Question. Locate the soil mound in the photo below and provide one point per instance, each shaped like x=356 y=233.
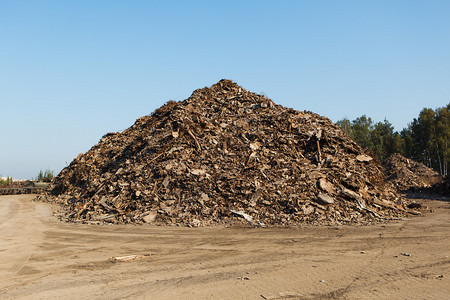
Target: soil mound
x=405 y=174
x=226 y=155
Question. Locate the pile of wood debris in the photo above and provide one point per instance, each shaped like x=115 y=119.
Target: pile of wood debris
x=222 y=156
x=406 y=174
x=23 y=187
x=442 y=187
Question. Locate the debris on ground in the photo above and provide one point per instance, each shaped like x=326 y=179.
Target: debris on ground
x=285 y=295
x=248 y=218
x=127 y=258
x=414 y=205
x=226 y=156
x=242 y=278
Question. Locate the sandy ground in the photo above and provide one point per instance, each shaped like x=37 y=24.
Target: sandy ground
x=42 y=258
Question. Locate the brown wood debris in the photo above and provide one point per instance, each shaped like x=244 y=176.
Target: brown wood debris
x=407 y=174
x=224 y=149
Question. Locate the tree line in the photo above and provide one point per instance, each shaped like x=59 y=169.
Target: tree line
x=426 y=139
x=4 y=181
x=46 y=176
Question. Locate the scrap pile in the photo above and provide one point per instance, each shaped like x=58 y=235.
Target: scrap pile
x=22 y=187
x=442 y=187
x=221 y=156
x=404 y=173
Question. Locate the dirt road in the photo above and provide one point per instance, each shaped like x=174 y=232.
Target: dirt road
x=42 y=258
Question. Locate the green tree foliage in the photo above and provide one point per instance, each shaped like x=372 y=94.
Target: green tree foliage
x=7 y=181
x=378 y=138
x=442 y=137
x=426 y=139
x=46 y=176
x=361 y=131
x=358 y=129
x=346 y=126
x=384 y=140
x=430 y=135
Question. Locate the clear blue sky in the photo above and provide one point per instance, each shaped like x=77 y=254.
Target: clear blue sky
x=71 y=71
